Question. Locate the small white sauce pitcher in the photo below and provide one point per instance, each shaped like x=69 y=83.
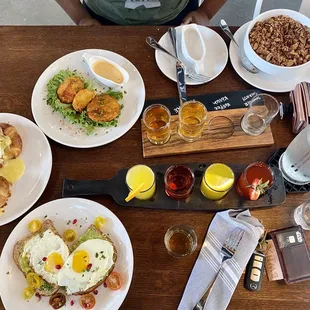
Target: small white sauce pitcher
x=91 y=59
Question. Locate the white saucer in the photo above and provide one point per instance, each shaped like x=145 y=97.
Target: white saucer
x=261 y=80
x=214 y=62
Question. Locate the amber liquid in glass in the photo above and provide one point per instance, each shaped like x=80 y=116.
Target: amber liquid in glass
x=192 y=117
x=180 y=243
x=157 y=121
x=179 y=182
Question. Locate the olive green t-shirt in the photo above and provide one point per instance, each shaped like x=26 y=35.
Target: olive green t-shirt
x=135 y=12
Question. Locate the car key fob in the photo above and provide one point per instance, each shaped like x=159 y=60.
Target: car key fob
x=255 y=271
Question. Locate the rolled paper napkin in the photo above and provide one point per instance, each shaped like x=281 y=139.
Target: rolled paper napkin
x=209 y=269
x=300 y=98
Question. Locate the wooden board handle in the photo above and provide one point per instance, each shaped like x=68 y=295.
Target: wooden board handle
x=72 y=188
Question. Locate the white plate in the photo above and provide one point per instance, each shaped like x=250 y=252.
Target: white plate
x=37 y=157
x=62 y=131
x=261 y=80
x=61 y=211
x=214 y=62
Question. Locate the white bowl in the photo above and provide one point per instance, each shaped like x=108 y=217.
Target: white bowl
x=264 y=65
x=91 y=59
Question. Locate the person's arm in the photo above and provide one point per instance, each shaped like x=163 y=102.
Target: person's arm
x=77 y=12
x=205 y=12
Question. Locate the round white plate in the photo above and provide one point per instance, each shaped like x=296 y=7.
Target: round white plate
x=261 y=80
x=61 y=211
x=60 y=130
x=37 y=157
x=215 y=60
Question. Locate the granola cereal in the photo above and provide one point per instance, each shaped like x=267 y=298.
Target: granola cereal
x=281 y=41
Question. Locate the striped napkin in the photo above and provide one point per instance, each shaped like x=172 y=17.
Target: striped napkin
x=209 y=270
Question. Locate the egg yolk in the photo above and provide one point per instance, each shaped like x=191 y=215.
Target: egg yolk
x=80 y=261
x=53 y=262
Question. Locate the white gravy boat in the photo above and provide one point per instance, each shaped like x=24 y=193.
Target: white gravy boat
x=92 y=59
x=193 y=47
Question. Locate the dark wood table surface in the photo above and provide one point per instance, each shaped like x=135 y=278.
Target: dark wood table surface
x=158 y=279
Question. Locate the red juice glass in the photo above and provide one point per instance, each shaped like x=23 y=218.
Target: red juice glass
x=179 y=182
x=257 y=170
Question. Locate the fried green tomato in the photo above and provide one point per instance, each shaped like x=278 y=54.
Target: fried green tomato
x=82 y=99
x=103 y=108
x=68 y=89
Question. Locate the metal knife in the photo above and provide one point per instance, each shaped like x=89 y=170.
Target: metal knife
x=180 y=74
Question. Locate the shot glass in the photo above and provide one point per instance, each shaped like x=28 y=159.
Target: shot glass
x=180 y=241
x=192 y=117
x=262 y=110
x=156 y=119
x=179 y=182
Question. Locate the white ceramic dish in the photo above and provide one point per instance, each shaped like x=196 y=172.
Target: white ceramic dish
x=60 y=130
x=214 y=62
x=193 y=46
x=61 y=211
x=261 y=80
x=37 y=156
x=91 y=59
x=265 y=66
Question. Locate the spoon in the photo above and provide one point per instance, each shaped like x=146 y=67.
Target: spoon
x=154 y=44
x=245 y=62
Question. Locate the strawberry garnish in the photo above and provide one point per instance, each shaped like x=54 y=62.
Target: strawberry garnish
x=258 y=188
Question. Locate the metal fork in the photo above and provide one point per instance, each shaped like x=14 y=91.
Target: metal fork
x=228 y=250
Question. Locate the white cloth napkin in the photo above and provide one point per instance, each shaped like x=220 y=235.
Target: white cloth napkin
x=209 y=267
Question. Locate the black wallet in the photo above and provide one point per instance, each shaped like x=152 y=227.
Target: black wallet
x=293 y=253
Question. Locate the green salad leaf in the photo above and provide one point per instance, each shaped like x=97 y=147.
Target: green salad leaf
x=67 y=110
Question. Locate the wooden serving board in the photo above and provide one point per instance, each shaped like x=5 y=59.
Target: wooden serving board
x=207 y=143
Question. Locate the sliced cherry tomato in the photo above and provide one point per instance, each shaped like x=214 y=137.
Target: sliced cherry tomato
x=28 y=292
x=34 y=226
x=33 y=280
x=69 y=235
x=99 y=222
x=57 y=300
x=114 y=281
x=87 y=301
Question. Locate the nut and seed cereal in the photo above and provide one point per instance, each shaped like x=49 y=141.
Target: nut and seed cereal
x=281 y=41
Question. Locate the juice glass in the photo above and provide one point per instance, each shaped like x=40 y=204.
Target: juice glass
x=192 y=117
x=156 y=119
x=179 y=182
x=139 y=174
x=217 y=180
x=257 y=170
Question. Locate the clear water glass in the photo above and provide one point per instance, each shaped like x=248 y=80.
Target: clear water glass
x=302 y=215
x=262 y=110
x=295 y=161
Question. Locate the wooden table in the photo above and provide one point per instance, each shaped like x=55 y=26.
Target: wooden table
x=158 y=280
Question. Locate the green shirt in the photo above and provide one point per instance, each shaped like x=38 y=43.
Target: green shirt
x=133 y=12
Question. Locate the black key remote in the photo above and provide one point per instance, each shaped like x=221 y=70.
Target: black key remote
x=254 y=272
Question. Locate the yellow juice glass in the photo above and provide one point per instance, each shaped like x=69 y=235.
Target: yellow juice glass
x=139 y=174
x=217 y=180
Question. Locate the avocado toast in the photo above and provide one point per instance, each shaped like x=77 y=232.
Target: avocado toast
x=92 y=233
x=22 y=262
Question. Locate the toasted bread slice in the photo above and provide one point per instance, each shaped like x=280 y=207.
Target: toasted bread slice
x=93 y=233
x=46 y=288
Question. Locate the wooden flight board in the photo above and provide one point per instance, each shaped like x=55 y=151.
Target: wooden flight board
x=217 y=141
